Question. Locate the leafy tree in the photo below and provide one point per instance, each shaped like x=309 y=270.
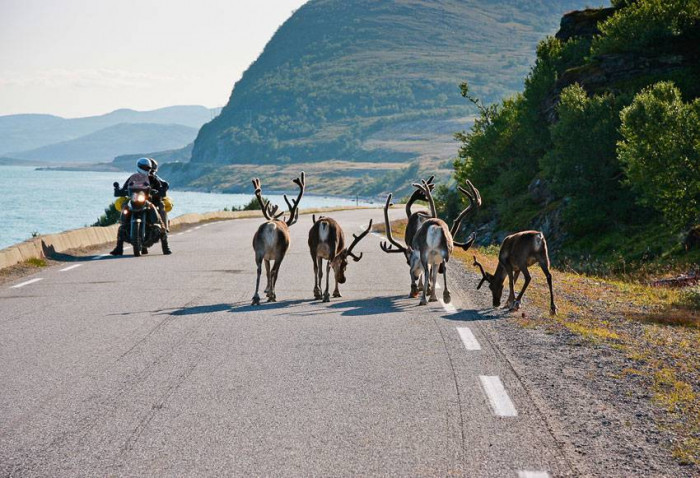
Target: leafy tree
x=643 y=24
x=582 y=164
x=660 y=149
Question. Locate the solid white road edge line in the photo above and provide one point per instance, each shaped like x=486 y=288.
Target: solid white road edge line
x=22 y=284
x=468 y=339
x=74 y=266
x=501 y=404
x=101 y=256
x=533 y=474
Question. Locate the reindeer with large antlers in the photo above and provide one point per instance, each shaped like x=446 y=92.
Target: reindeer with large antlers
x=518 y=252
x=327 y=241
x=271 y=240
x=432 y=243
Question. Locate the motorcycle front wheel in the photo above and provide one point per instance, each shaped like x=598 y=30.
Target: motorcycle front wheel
x=136 y=239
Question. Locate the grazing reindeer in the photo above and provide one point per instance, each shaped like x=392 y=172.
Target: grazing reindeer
x=432 y=244
x=518 y=252
x=327 y=241
x=271 y=240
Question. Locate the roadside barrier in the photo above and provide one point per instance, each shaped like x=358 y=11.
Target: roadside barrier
x=52 y=245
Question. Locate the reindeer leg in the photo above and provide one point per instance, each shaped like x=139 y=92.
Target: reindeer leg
x=426 y=271
x=446 y=298
x=552 y=307
x=272 y=296
x=267 y=275
x=415 y=288
x=336 y=292
x=318 y=275
x=433 y=282
x=526 y=274
x=326 y=295
x=256 y=297
x=511 y=294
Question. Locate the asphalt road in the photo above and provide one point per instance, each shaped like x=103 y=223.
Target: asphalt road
x=159 y=365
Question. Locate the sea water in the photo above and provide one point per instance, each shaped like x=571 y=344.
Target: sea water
x=44 y=202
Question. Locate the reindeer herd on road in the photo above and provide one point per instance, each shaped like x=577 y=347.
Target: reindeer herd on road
x=429 y=242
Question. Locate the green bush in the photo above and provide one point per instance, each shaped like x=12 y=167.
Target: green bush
x=110 y=216
x=582 y=164
x=660 y=149
x=644 y=24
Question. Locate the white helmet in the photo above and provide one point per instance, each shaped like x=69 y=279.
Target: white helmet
x=143 y=166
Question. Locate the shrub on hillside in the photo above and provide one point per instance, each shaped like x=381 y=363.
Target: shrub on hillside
x=660 y=150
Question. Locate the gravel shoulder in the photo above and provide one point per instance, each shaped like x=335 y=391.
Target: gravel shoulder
x=599 y=398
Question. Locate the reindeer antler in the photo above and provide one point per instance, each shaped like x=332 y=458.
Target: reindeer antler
x=294 y=205
x=268 y=210
x=425 y=188
x=388 y=247
x=484 y=277
x=417 y=195
x=356 y=240
x=474 y=202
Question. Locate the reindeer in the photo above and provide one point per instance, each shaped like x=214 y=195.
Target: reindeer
x=271 y=240
x=432 y=244
x=327 y=241
x=518 y=252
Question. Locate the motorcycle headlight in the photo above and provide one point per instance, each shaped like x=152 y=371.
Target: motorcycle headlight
x=139 y=197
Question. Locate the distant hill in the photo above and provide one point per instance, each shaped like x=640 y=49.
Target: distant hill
x=105 y=144
x=127 y=161
x=339 y=80
x=30 y=131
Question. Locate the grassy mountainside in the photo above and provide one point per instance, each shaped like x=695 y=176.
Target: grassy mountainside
x=30 y=131
x=340 y=80
x=105 y=144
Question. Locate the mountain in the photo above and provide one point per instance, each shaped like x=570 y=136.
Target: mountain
x=339 y=80
x=105 y=144
x=127 y=161
x=30 y=131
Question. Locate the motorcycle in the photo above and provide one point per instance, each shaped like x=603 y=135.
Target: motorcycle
x=141 y=223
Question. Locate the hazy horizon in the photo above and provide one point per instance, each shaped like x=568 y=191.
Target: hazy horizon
x=141 y=55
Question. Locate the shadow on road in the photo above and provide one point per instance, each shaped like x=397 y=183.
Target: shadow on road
x=474 y=315
x=246 y=307
x=202 y=309
x=370 y=306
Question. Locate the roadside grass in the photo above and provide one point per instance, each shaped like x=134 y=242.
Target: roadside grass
x=657 y=328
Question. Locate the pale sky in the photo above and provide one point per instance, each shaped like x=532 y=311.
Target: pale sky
x=85 y=57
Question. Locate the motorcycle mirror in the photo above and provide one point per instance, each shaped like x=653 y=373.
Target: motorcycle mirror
x=115 y=184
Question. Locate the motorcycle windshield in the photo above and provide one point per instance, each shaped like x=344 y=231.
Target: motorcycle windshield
x=138 y=182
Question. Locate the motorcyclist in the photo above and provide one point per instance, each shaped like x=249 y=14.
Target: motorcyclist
x=159 y=188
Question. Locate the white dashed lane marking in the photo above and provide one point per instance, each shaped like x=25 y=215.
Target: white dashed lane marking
x=101 y=256
x=22 y=284
x=501 y=405
x=532 y=474
x=468 y=339
x=74 y=266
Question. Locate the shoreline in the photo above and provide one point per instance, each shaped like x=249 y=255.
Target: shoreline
x=54 y=245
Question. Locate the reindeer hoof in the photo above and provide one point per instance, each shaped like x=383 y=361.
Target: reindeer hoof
x=553 y=311
x=446 y=298
x=326 y=298
x=515 y=307
x=317 y=295
x=256 y=300
x=423 y=302
x=413 y=294
x=432 y=299
x=337 y=294
x=272 y=298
